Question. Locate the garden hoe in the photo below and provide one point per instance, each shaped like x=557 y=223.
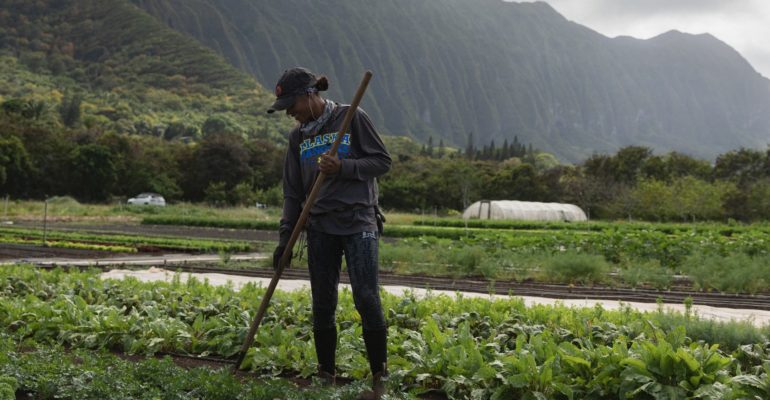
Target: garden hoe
x=286 y=257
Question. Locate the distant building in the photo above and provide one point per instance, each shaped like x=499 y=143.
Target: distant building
x=524 y=210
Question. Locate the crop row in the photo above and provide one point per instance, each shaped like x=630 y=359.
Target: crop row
x=596 y=226
x=469 y=348
x=67 y=244
x=211 y=222
x=432 y=226
x=52 y=372
x=84 y=240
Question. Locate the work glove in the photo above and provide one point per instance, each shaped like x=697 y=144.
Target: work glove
x=277 y=255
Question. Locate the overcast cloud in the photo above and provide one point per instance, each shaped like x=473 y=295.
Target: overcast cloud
x=742 y=24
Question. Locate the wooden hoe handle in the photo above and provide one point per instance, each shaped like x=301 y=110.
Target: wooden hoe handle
x=286 y=256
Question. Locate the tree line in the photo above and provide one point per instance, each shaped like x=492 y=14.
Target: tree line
x=632 y=183
x=38 y=159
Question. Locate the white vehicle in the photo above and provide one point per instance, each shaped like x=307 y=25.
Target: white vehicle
x=147 y=199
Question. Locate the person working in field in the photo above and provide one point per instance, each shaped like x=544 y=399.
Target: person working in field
x=344 y=218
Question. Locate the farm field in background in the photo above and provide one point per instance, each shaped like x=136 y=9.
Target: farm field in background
x=713 y=257
x=68 y=209
x=117 y=243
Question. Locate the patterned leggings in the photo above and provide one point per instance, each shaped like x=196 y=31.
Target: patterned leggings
x=324 y=262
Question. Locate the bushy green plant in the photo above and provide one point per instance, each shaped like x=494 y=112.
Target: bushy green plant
x=647 y=273
x=733 y=273
x=243 y=194
x=466 y=258
x=216 y=194
x=8 y=387
x=272 y=196
x=511 y=265
x=571 y=267
x=672 y=370
x=750 y=386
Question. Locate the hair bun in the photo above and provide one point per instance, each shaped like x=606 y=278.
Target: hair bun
x=323 y=83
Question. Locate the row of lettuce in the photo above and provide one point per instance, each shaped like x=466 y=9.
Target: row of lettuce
x=464 y=347
x=118 y=243
x=434 y=222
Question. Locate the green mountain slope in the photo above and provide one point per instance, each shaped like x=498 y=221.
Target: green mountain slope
x=127 y=72
x=446 y=68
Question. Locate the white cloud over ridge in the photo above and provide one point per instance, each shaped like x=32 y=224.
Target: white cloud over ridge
x=742 y=24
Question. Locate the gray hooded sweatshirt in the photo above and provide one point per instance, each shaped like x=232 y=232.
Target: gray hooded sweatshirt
x=346 y=201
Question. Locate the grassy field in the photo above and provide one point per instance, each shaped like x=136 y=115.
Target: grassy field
x=68 y=209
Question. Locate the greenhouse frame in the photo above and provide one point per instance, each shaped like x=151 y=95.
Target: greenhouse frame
x=524 y=210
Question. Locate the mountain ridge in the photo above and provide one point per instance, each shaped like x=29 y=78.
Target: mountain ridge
x=494 y=70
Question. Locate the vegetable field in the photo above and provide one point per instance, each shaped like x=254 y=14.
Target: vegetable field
x=117 y=243
x=702 y=256
x=465 y=348
x=614 y=257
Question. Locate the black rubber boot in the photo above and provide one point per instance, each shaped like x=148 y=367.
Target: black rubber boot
x=378 y=386
x=325 y=378
x=377 y=349
x=325 y=350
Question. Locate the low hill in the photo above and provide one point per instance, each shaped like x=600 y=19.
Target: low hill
x=119 y=69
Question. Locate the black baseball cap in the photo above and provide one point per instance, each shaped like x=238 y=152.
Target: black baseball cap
x=293 y=82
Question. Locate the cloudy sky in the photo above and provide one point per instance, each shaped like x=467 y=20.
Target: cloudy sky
x=742 y=24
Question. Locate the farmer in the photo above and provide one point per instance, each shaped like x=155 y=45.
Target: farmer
x=344 y=218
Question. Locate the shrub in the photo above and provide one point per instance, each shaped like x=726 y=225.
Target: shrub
x=242 y=194
x=647 y=273
x=63 y=201
x=216 y=194
x=272 y=196
x=572 y=267
x=467 y=258
x=732 y=273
